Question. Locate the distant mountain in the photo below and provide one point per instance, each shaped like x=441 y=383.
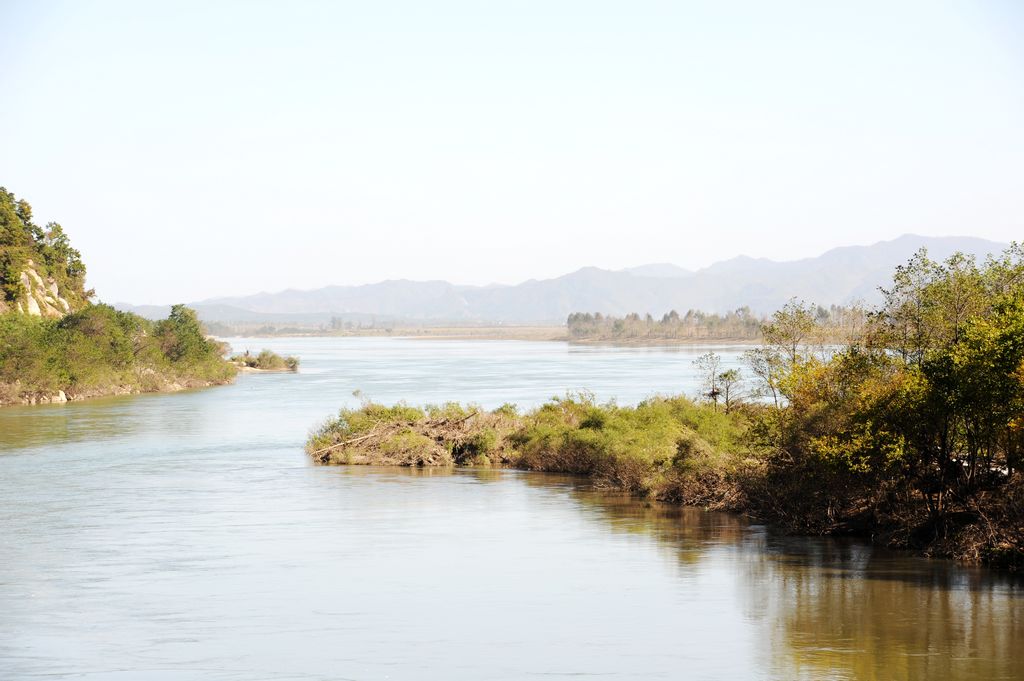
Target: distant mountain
x=839 y=276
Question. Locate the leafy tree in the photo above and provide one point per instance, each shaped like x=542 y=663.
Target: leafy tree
x=181 y=335
x=708 y=365
x=766 y=364
x=790 y=330
x=730 y=384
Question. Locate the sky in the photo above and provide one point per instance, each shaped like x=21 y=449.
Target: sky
x=201 y=149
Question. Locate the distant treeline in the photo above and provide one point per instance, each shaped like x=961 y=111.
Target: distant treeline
x=227 y=330
x=833 y=322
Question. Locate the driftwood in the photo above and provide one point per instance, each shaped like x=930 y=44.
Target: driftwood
x=320 y=452
x=455 y=423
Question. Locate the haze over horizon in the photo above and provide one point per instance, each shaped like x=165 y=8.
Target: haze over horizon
x=635 y=266
x=840 y=276
x=196 y=151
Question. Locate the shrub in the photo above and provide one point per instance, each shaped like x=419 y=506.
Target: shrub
x=99 y=348
x=266 y=360
x=640 y=449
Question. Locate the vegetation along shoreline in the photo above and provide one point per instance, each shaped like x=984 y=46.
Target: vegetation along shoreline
x=266 y=361
x=56 y=345
x=910 y=431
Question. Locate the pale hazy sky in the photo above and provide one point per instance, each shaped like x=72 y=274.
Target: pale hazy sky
x=215 y=148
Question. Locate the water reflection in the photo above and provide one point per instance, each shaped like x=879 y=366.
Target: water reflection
x=842 y=609
x=878 y=615
x=23 y=428
x=32 y=426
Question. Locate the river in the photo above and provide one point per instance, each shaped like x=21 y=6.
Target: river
x=186 y=536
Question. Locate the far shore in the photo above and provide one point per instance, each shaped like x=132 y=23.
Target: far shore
x=520 y=333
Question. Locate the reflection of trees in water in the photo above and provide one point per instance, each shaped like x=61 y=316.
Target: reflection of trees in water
x=90 y=421
x=687 y=532
x=871 y=614
x=841 y=609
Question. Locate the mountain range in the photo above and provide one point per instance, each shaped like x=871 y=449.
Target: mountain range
x=838 y=276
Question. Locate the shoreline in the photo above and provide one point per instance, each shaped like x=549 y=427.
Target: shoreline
x=62 y=396
x=65 y=397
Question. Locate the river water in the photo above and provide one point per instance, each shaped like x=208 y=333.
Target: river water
x=186 y=536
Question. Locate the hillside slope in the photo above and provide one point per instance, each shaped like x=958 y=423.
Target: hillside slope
x=40 y=273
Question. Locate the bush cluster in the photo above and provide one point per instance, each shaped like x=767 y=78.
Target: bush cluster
x=266 y=360
x=99 y=350
x=644 y=449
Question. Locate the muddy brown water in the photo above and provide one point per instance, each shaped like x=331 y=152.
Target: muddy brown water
x=187 y=537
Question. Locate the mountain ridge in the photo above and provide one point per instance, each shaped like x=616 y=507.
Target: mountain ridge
x=840 y=275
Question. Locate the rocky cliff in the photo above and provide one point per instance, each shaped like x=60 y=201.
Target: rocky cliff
x=41 y=298
x=40 y=273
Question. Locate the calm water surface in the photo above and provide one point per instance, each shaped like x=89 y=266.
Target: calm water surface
x=186 y=537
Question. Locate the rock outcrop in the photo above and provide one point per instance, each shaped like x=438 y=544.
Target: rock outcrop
x=42 y=297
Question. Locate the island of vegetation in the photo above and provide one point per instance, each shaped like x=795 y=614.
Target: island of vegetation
x=266 y=360
x=910 y=432
x=55 y=345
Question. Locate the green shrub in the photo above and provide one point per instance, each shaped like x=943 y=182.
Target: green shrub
x=266 y=360
x=99 y=348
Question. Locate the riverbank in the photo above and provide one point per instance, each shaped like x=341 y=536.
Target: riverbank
x=99 y=351
x=15 y=394
x=671 y=449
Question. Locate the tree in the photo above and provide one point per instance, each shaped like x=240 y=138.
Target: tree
x=790 y=329
x=730 y=384
x=58 y=255
x=181 y=335
x=929 y=410
x=766 y=363
x=787 y=337
x=708 y=365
